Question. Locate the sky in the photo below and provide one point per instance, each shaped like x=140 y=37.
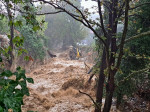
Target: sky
x=89 y=4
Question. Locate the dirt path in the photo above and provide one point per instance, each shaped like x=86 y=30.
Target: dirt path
x=56 y=88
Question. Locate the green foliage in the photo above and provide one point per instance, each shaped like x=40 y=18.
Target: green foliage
x=13 y=90
x=3 y=25
x=137 y=58
x=28 y=19
x=32 y=42
x=11 y=95
x=0 y=59
x=43 y=25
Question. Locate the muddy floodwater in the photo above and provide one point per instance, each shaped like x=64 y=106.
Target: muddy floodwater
x=56 y=87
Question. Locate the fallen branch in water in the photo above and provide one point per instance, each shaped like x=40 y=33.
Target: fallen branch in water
x=96 y=104
x=86 y=66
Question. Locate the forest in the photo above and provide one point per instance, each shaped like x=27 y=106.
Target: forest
x=74 y=56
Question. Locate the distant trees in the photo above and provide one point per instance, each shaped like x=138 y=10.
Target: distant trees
x=62 y=29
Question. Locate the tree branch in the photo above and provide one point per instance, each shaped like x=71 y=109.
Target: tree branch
x=146 y=3
x=83 y=19
x=101 y=18
x=97 y=106
x=49 y=13
x=124 y=34
x=133 y=73
x=121 y=10
x=110 y=11
x=137 y=36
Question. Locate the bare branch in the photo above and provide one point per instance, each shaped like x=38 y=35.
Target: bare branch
x=107 y=7
x=89 y=26
x=49 y=13
x=97 y=106
x=136 y=15
x=121 y=10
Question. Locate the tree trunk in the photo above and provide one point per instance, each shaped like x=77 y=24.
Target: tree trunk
x=101 y=79
x=109 y=93
x=108 y=101
x=10 y=17
x=110 y=84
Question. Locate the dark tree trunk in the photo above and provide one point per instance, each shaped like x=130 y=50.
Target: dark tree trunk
x=10 y=17
x=101 y=79
x=109 y=93
x=110 y=84
x=103 y=66
x=108 y=102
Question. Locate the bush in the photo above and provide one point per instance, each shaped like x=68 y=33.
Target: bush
x=12 y=91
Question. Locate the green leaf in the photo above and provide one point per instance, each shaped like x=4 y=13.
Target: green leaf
x=18 y=23
x=18 y=68
x=0 y=59
x=2 y=16
x=30 y=80
x=2 y=82
x=7 y=73
x=7 y=102
x=26 y=58
x=1 y=109
x=104 y=38
x=35 y=28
